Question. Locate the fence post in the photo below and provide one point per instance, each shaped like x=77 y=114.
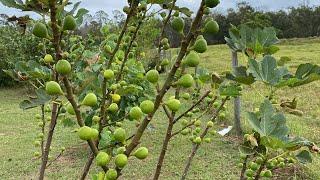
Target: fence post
x=237 y=105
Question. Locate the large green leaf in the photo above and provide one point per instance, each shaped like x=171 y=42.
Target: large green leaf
x=266 y=70
x=240 y=75
x=12 y=4
x=41 y=99
x=270 y=125
x=304 y=157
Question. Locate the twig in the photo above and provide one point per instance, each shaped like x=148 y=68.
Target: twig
x=87 y=166
x=244 y=167
x=196 y=146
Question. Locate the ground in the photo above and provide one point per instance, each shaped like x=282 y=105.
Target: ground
x=216 y=160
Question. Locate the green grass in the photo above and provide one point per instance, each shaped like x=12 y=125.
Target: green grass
x=216 y=160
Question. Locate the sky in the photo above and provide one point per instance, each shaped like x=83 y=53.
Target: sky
x=109 y=5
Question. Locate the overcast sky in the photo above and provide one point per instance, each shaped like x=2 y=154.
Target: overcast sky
x=109 y=5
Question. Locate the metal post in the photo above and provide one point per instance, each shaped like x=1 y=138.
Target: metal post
x=237 y=105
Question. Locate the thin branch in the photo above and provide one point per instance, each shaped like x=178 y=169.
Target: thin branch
x=192 y=107
x=87 y=166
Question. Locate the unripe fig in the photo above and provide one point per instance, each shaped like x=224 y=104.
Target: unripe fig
x=108 y=74
x=48 y=59
x=141 y=153
x=211 y=27
x=177 y=24
x=70 y=109
x=152 y=76
x=36 y=154
x=115 y=98
x=197 y=130
x=53 y=88
x=40 y=124
x=197 y=123
x=197 y=140
x=36 y=143
x=40 y=30
x=100 y=176
x=186 y=81
x=102 y=159
x=40 y=135
x=147 y=106
x=121 y=160
x=121 y=150
x=207 y=140
x=254 y=166
x=259 y=160
x=185 y=96
x=107 y=49
x=90 y=100
x=173 y=104
x=266 y=173
x=184 y=122
x=222 y=115
x=113 y=107
x=249 y=172
x=111 y=174
x=164 y=41
x=210 y=124
x=119 y=134
x=185 y=131
x=69 y=23
x=86 y=133
x=38 y=116
x=96 y=119
x=192 y=59
x=63 y=67
x=212 y=3
x=165 y=62
x=200 y=45
x=126 y=9
x=135 y=113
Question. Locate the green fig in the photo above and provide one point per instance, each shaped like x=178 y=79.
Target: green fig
x=63 y=67
x=147 y=106
x=40 y=30
x=111 y=174
x=102 y=159
x=69 y=23
x=141 y=153
x=192 y=59
x=121 y=160
x=119 y=134
x=96 y=119
x=165 y=62
x=108 y=74
x=135 y=113
x=90 y=100
x=197 y=140
x=115 y=98
x=212 y=3
x=211 y=27
x=48 y=59
x=121 y=150
x=86 y=133
x=210 y=124
x=186 y=81
x=70 y=109
x=200 y=46
x=53 y=88
x=113 y=107
x=185 y=96
x=152 y=76
x=173 y=104
x=177 y=24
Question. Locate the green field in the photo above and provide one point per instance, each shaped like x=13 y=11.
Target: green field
x=216 y=160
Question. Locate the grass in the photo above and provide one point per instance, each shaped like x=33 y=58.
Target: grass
x=216 y=160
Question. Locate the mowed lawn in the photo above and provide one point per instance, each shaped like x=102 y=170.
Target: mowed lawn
x=216 y=160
